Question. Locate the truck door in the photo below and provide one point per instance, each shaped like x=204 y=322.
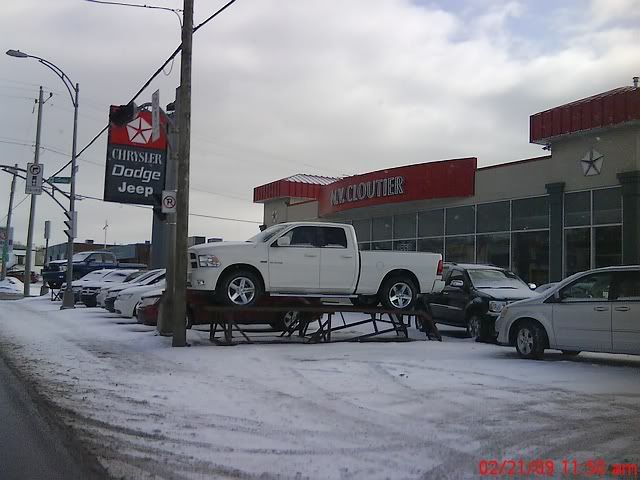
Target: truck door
x=296 y=267
x=338 y=262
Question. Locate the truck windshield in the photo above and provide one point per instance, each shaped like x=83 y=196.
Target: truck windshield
x=491 y=278
x=267 y=234
x=80 y=257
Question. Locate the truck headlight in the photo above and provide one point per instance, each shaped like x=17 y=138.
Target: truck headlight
x=496 y=307
x=63 y=268
x=208 y=261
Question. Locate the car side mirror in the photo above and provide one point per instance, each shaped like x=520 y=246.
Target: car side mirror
x=533 y=286
x=283 y=241
x=457 y=283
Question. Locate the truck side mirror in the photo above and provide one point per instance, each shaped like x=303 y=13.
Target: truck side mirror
x=457 y=283
x=284 y=241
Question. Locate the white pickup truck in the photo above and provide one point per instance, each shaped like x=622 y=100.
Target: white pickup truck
x=311 y=259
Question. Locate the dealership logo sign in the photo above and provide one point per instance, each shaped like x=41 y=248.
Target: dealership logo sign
x=592 y=163
x=139 y=131
x=135 y=167
x=384 y=187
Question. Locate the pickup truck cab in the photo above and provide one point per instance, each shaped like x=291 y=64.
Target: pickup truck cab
x=55 y=273
x=311 y=259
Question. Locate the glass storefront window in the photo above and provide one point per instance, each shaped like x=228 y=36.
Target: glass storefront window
x=404 y=245
x=607 y=206
x=404 y=226
x=431 y=223
x=608 y=242
x=461 y=220
x=530 y=213
x=364 y=246
x=577 y=209
x=493 y=217
x=577 y=247
x=460 y=249
x=493 y=249
x=530 y=256
x=363 y=230
x=381 y=229
x=433 y=245
x=381 y=246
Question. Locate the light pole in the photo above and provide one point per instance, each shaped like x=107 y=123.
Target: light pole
x=68 y=300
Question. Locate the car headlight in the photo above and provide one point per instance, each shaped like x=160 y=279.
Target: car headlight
x=208 y=261
x=125 y=296
x=497 y=307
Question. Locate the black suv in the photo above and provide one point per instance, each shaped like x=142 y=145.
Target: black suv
x=474 y=295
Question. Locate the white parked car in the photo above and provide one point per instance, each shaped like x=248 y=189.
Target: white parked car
x=127 y=300
x=107 y=295
x=90 y=290
x=596 y=311
x=313 y=259
x=93 y=276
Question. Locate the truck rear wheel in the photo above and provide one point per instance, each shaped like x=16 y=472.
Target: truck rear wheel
x=240 y=288
x=398 y=293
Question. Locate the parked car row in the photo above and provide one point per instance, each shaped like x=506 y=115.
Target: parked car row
x=597 y=310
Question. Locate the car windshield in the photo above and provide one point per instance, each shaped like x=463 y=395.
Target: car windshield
x=115 y=276
x=267 y=234
x=79 y=257
x=493 y=278
x=134 y=276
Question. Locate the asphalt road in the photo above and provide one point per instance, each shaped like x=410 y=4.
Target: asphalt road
x=30 y=448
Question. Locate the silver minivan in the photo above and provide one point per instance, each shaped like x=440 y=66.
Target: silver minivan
x=596 y=311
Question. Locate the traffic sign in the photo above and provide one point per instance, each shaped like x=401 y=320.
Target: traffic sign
x=34 y=179
x=169 y=201
x=66 y=180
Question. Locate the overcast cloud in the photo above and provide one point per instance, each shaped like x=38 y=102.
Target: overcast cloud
x=303 y=86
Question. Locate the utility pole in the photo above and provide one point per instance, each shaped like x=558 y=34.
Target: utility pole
x=32 y=210
x=5 y=247
x=182 y=217
x=166 y=313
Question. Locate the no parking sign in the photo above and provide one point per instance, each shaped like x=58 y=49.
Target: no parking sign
x=169 y=201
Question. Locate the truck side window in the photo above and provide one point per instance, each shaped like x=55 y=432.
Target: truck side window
x=95 y=258
x=303 y=237
x=333 y=237
x=108 y=259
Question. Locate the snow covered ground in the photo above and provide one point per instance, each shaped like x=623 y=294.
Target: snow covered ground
x=338 y=411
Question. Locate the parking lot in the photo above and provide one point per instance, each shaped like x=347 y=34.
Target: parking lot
x=421 y=409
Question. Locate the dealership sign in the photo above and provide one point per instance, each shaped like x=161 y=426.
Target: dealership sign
x=370 y=189
x=444 y=179
x=136 y=162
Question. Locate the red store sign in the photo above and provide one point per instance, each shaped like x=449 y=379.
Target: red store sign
x=444 y=179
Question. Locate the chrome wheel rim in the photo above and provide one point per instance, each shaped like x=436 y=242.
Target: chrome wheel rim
x=400 y=295
x=241 y=290
x=474 y=327
x=289 y=318
x=525 y=341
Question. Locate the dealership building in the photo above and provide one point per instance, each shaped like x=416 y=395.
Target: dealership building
x=544 y=218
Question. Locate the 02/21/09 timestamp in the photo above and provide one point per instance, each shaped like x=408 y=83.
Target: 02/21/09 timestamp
x=568 y=468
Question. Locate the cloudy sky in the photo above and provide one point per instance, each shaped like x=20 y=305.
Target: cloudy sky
x=302 y=86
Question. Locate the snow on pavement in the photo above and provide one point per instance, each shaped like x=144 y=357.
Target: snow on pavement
x=337 y=411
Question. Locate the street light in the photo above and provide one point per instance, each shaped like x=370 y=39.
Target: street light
x=68 y=300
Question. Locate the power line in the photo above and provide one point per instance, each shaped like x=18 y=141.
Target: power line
x=14 y=207
x=148 y=82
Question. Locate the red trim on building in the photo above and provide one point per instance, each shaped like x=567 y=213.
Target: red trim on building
x=443 y=179
x=296 y=186
x=606 y=109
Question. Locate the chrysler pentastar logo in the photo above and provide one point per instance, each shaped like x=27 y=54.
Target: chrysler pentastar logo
x=592 y=163
x=139 y=131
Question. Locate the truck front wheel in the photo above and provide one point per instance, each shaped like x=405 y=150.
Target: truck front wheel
x=240 y=288
x=398 y=293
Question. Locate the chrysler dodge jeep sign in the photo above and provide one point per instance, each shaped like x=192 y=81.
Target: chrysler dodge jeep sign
x=135 y=162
